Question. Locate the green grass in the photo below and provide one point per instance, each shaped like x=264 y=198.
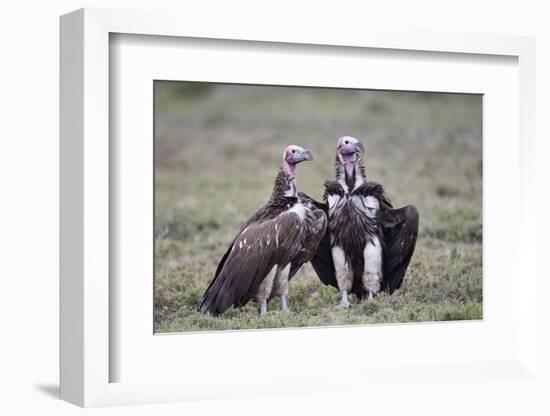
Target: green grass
x=217 y=151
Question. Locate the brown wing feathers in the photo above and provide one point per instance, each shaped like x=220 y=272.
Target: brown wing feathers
x=314 y=228
x=256 y=250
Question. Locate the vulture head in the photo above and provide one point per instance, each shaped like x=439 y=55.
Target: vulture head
x=293 y=155
x=349 y=150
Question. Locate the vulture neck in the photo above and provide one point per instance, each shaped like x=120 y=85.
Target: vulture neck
x=350 y=177
x=285 y=186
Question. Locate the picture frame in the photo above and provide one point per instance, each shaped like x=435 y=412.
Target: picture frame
x=88 y=301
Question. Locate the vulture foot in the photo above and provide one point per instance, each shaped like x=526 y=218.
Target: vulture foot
x=344 y=303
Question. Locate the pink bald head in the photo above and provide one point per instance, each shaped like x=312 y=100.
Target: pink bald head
x=293 y=155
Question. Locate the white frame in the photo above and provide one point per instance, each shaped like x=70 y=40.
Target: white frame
x=85 y=353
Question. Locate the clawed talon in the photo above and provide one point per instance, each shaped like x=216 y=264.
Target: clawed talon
x=344 y=303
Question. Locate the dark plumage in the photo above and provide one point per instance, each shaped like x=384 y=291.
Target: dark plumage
x=270 y=247
x=376 y=240
x=316 y=225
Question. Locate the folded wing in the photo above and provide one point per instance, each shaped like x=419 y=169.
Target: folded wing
x=314 y=230
x=256 y=250
x=322 y=259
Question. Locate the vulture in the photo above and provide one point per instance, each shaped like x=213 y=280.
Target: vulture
x=368 y=244
x=270 y=247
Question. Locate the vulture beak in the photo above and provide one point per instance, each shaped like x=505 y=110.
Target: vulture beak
x=307 y=155
x=300 y=156
x=352 y=148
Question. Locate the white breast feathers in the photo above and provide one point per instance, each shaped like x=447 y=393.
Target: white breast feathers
x=299 y=210
x=371 y=205
x=333 y=200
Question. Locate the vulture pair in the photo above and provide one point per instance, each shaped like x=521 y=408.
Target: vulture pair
x=355 y=240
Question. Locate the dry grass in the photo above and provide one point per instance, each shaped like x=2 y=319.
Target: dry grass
x=217 y=151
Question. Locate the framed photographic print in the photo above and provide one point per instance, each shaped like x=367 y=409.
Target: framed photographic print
x=229 y=197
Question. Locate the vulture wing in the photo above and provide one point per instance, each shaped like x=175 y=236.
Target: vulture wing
x=266 y=212
x=314 y=229
x=400 y=229
x=260 y=246
x=322 y=259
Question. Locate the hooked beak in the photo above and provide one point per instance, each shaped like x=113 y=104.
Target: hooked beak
x=305 y=155
x=350 y=149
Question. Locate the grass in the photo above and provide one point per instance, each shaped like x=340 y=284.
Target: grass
x=217 y=151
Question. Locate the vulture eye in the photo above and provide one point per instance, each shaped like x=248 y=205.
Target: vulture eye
x=346 y=142
x=294 y=151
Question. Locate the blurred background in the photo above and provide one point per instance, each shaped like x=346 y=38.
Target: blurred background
x=218 y=148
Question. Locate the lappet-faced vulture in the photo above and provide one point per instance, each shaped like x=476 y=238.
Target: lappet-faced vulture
x=368 y=245
x=270 y=247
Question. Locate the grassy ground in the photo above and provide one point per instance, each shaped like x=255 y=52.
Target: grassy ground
x=217 y=151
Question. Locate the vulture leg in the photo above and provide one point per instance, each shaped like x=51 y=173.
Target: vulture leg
x=372 y=276
x=284 y=305
x=263 y=307
x=265 y=290
x=344 y=274
x=281 y=286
